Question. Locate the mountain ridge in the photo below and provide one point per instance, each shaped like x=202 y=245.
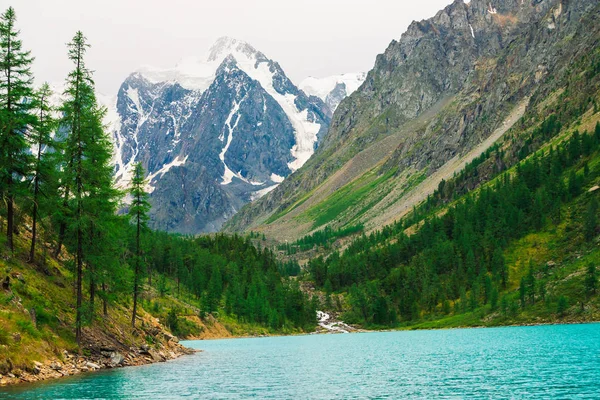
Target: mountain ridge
x=482 y=73
x=214 y=134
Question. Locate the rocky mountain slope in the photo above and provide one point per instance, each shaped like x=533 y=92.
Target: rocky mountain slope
x=449 y=88
x=213 y=134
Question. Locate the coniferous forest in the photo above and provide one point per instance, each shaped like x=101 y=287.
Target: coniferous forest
x=455 y=262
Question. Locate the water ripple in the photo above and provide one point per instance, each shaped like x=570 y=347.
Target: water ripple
x=504 y=363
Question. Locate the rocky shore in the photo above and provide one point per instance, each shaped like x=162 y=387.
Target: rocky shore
x=97 y=358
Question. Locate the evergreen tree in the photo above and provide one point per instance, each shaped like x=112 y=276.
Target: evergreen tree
x=523 y=292
x=591 y=281
x=88 y=194
x=215 y=291
x=102 y=199
x=75 y=109
x=494 y=298
x=43 y=166
x=590 y=221
x=16 y=117
x=138 y=212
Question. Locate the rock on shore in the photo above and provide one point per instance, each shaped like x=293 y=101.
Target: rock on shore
x=98 y=358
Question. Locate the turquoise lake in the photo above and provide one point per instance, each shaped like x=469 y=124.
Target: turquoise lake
x=560 y=361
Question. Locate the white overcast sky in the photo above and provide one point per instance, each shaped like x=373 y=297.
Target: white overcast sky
x=307 y=37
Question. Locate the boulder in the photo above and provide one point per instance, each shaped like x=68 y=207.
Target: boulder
x=116 y=359
x=37 y=367
x=156 y=357
x=92 y=365
x=168 y=336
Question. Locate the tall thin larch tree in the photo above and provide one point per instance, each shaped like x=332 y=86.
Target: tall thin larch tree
x=16 y=117
x=42 y=168
x=138 y=212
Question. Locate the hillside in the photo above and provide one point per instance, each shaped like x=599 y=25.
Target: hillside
x=37 y=303
x=520 y=246
x=449 y=89
x=36 y=326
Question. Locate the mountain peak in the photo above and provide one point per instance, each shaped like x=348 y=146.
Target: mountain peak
x=225 y=46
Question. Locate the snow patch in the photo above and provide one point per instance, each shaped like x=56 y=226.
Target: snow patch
x=189 y=73
x=305 y=132
x=229 y=174
x=260 y=193
x=125 y=169
x=276 y=178
x=472 y=32
x=321 y=87
x=177 y=162
x=195 y=74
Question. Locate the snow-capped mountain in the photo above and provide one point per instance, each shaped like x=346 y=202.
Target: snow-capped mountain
x=213 y=133
x=333 y=89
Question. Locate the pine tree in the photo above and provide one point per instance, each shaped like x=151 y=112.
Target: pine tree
x=102 y=244
x=88 y=194
x=43 y=166
x=138 y=212
x=591 y=281
x=523 y=292
x=16 y=117
x=74 y=109
x=590 y=221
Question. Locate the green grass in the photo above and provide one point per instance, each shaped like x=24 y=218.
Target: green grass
x=346 y=197
x=291 y=208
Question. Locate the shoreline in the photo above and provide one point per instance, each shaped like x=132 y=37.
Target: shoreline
x=400 y=329
x=75 y=364
x=103 y=359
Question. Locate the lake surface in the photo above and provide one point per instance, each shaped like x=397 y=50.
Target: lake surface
x=561 y=361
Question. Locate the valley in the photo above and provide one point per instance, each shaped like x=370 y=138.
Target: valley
x=453 y=185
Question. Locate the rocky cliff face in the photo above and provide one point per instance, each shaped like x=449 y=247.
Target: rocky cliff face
x=214 y=134
x=439 y=91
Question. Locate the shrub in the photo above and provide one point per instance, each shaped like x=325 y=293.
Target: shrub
x=43 y=317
